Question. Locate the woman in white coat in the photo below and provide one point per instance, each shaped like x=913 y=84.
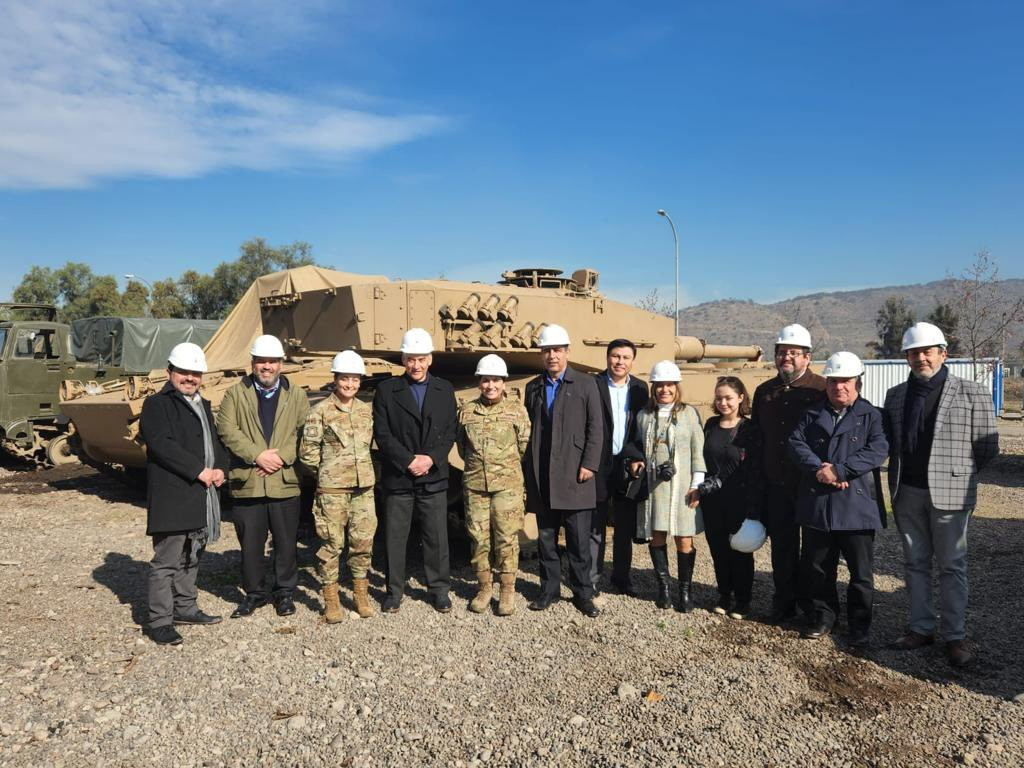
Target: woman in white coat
x=669 y=449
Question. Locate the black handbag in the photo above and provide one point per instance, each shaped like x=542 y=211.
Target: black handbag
x=636 y=487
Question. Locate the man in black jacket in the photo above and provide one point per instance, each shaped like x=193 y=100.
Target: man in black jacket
x=622 y=398
x=185 y=466
x=414 y=425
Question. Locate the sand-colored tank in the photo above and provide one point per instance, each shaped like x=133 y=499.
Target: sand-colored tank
x=317 y=312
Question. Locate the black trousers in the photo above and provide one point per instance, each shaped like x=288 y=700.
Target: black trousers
x=253 y=519
x=734 y=571
x=820 y=565
x=577 y=544
x=431 y=511
x=622 y=512
x=779 y=517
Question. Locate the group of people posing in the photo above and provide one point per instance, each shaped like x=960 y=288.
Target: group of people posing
x=797 y=463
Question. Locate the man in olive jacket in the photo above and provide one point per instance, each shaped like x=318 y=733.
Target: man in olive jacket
x=564 y=454
x=260 y=422
x=185 y=465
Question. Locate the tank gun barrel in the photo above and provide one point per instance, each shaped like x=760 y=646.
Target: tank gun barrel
x=690 y=349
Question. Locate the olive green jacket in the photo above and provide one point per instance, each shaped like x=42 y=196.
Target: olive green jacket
x=238 y=423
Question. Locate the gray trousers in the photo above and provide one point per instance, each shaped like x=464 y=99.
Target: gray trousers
x=172 y=578
x=928 y=532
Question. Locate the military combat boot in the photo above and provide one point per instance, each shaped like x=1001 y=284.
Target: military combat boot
x=507 y=595
x=483 y=593
x=360 y=591
x=332 y=605
x=659 y=559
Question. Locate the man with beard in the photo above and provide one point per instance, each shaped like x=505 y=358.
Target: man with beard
x=260 y=421
x=942 y=432
x=777 y=407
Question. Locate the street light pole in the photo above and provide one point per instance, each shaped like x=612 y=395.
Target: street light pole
x=675 y=239
x=138 y=279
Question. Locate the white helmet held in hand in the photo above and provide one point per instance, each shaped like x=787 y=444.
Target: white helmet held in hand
x=794 y=335
x=187 y=357
x=923 y=335
x=267 y=346
x=553 y=336
x=665 y=370
x=348 y=362
x=492 y=365
x=843 y=365
x=750 y=537
x=417 y=341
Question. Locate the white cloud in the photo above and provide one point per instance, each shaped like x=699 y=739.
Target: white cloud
x=123 y=88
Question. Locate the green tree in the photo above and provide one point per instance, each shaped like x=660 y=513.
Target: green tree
x=892 y=320
x=104 y=298
x=946 y=318
x=135 y=299
x=167 y=301
x=37 y=286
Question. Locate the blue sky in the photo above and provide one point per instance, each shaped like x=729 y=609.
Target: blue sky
x=799 y=146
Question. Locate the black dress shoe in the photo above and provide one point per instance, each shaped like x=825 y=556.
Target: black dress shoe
x=586 y=607
x=816 y=630
x=542 y=603
x=165 y=635
x=248 y=606
x=782 y=614
x=197 y=617
x=442 y=604
x=858 y=640
x=391 y=604
x=624 y=588
x=284 y=605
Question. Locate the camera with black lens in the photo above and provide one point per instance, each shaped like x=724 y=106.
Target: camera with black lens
x=665 y=471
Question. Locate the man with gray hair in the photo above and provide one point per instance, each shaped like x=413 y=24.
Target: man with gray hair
x=942 y=432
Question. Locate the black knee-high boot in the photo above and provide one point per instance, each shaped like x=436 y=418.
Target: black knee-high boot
x=685 y=561
x=659 y=559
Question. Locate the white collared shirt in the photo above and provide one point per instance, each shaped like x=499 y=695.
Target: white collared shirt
x=619 y=397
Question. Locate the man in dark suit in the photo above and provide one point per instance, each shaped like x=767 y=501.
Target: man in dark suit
x=414 y=424
x=622 y=398
x=560 y=467
x=185 y=465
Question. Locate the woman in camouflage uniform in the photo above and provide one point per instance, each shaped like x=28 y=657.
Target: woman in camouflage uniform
x=492 y=437
x=336 y=447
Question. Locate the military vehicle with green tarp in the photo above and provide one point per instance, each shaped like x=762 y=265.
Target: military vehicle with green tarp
x=42 y=360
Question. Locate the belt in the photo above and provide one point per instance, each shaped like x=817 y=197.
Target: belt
x=321 y=490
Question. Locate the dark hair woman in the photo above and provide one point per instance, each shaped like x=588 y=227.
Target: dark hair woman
x=732 y=446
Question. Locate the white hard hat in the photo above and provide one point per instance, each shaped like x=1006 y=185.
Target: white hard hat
x=794 y=335
x=417 y=341
x=923 y=335
x=188 y=357
x=750 y=537
x=665 y=370
x=348 y=362
x=843 y=365
x=492 y=365
x=267 y=346
x=553 y=336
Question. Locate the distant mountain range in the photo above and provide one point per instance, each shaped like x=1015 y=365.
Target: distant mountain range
x=836 y=320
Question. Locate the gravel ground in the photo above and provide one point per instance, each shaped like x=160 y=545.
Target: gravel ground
x=80 y=685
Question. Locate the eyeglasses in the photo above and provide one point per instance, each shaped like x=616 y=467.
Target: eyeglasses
x=791 y=353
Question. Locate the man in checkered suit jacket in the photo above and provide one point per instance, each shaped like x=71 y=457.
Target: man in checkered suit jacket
x=942 y=432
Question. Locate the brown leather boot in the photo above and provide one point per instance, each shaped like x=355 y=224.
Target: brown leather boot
x=332 y=605
x=484 y=592
x=507 y=596
x=360 y=591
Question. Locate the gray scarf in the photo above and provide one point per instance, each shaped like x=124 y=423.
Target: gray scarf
x=212 y=531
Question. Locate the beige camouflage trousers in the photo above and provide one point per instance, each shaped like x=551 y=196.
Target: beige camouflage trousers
x=337 y=513
x=497 y=516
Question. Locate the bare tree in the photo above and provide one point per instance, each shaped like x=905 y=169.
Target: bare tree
x=984 y=310
x=652 y=302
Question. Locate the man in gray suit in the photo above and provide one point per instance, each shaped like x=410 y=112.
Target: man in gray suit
x=562 y=459
x=942 y=432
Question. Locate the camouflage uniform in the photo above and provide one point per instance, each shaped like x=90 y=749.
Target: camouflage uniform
x=336 y=445
x=492 y=441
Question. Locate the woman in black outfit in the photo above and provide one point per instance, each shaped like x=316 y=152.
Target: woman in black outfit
x=728 y=494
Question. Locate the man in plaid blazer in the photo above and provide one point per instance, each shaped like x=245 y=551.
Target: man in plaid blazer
x=942 y=432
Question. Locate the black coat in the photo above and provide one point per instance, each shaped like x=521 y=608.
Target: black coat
x=401 y=432
x=173 y=434
x=609 y=475
x=577 y=440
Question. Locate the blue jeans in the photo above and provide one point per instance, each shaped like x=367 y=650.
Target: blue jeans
x=927 y=532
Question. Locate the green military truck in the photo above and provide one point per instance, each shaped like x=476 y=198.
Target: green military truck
x=40 y=357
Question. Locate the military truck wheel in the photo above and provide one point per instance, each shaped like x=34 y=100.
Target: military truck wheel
x=59 y=453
